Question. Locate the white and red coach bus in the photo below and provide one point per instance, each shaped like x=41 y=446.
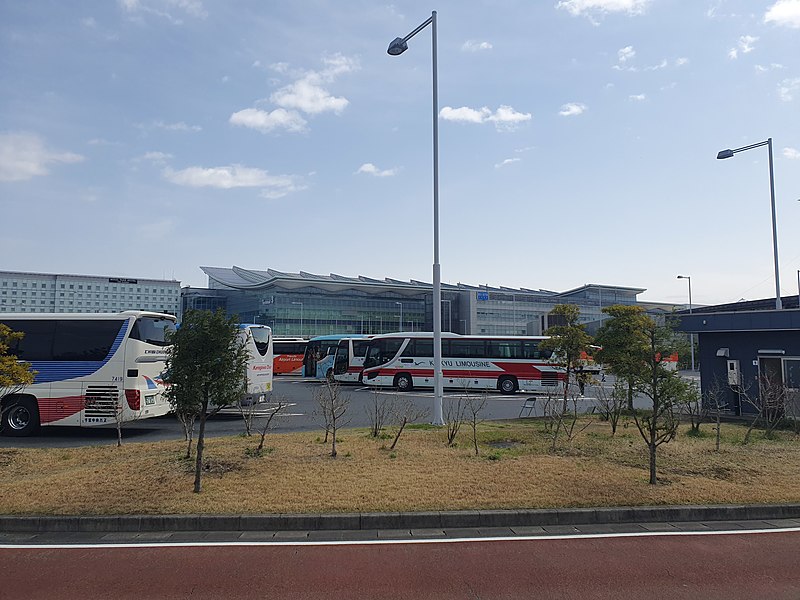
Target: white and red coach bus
x=349 y=359
x=504 y=363
x=288 y=355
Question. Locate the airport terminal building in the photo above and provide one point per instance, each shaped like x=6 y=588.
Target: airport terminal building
x=306 y=304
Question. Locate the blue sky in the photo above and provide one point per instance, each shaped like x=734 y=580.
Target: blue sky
x=578 y=141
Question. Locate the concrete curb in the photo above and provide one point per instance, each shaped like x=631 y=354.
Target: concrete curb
x=415 y=520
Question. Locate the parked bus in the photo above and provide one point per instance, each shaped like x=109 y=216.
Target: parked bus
x=507 y=364
x=258 y=341
x=288 y=355
x=320 y=352
x=348 y=362
x=91 y=369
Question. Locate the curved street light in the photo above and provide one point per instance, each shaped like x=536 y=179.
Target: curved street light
x=396 y=48
x=728 y=153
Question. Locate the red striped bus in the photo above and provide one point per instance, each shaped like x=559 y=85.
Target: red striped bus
x=504 y=363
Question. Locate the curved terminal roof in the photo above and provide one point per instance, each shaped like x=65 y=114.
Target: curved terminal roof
x=239 y=278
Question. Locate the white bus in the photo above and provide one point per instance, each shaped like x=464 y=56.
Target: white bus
x=91 y=369
x=348 y=362
x=257 y=339
x=504 y=363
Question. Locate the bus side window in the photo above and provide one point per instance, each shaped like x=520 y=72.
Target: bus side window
x=530 y=349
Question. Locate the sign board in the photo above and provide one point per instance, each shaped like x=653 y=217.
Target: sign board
x=483 y=295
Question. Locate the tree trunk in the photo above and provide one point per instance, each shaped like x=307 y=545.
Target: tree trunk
x=653 y=449
x=630 y=396
x=333 y=443
x=198 y=467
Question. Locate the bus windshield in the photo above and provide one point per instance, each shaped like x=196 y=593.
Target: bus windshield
x=261 y=339
x=153 y=330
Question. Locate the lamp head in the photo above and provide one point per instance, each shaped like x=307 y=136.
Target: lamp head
x=725 y=154
x=682 y=277
x=397 y=47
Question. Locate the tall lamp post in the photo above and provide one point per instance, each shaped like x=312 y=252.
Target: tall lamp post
x=397 y=47
x=301 y=317
x=691 y=335
x=401 y=315
x=729 y=154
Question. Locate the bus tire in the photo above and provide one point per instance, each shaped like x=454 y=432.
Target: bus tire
x=403 y=382
x=508 y=385
x=20 y=416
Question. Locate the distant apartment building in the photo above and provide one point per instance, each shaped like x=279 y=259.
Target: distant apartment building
x=22 y=292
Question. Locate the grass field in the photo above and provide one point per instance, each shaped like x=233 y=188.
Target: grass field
x=514 y=469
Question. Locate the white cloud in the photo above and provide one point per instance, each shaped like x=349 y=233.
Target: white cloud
x=679 y=62
x=25 y=155
x=505 y=118
x=658 y=67
x=792 y=153
x=572 y=109
x=770 y=67
x=745 y=45
x=474 y=46
x=637 y=97
x=784 y=12
x=591 y=7
x=507 y=161
x=625 y=54
x=179 y=126
x=787 y=89
x=158 y=158
x=307 y=94
x=371 y=169
x=264 y=121
x=234 y=176
x=166 y=9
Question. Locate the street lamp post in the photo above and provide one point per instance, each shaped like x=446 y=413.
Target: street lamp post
x=691 y=335
x=401 y=315
x=397 y=47
x=729 y=154
x=301 y=317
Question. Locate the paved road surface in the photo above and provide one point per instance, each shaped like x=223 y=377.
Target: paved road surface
x=708 y=567
x=300 y=416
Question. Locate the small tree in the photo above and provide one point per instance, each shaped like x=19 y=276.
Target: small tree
x=206 y=370
x=693 y=408
x=404 y=411
x=769 y=404
x=715 y=401
x=14 y=375
x=623 y=342
x=567 y=341
x=475 y=406
x=333 y=405
x=665 y=388
x=611 y=404
x=378 y=411
x=279 y=405
x=454 y=410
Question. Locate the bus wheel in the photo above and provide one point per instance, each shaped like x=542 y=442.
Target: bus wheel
x=403 y=382
x=20 y=417
x=507 y=385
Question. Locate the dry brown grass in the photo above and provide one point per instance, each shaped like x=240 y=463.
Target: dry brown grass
x=298 y=476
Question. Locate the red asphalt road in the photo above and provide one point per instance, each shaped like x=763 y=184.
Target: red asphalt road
x=693 y=567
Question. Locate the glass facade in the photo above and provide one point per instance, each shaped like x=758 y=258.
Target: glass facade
x=307 y=305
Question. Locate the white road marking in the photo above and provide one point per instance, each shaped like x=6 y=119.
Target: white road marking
x=521 y=538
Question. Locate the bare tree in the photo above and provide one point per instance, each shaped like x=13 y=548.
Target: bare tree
x=454 y=410
x=187 y=419
x=769 y=405
x=378 y=411
x=693 y=407
x=277 y=406
x=474 y=407
x=715 y=401
x=611 y=405
x=333 y=405
x=404 y=412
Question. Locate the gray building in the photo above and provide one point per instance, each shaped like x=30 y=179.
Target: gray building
x=307 y=304
x=22 y=292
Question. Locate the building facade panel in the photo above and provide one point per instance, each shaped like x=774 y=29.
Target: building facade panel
x=22 y=292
